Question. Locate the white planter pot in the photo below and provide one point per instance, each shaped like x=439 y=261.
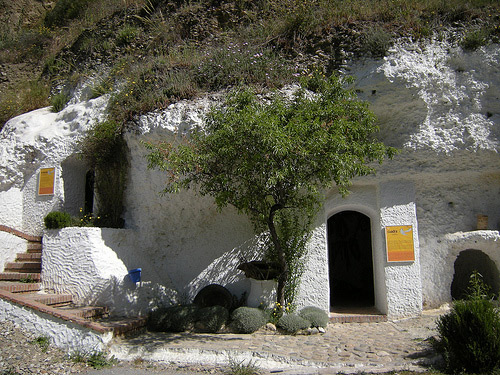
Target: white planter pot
x=262 y=292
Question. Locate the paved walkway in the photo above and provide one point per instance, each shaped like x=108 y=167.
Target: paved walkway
x=348 y=347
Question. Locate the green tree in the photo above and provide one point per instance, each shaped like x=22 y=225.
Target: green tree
x=271 y=158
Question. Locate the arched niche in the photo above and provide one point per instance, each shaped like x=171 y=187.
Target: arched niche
x=467 y=262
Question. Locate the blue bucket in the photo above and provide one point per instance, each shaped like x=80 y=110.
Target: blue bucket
x=135 y=275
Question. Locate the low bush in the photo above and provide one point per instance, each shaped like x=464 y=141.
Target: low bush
x=292 y=323
x=469 y=335
x=59 y=102
x=316 y=316
x=57 y=220
x=247 y=319
x=211 y=319
x=173 y=319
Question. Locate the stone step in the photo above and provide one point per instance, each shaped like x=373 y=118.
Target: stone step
x=86 y=312
x=50 y=299
x=20 y=276
x=124 y=326
x=17 y=287
x=28 y=257
x=23 y=267
x=34 y=247
x=357 y=318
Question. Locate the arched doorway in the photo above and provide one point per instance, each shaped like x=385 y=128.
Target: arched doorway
x=350 y=260
x=466 y=263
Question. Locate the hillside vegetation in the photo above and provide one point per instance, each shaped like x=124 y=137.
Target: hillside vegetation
x=150 y=53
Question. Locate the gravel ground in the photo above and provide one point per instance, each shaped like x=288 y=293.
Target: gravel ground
x=22 y=352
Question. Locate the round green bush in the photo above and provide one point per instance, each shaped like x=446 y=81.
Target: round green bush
x=211 y=318
x=247 y=319
x=173 y=319
x=469 y=337
x=292 y=323
x=57 y=220
x=316 y=316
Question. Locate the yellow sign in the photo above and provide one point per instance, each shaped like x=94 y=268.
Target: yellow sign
x=399 y=241
x=46 y=181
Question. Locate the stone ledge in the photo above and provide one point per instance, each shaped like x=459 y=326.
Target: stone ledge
x=15 y=232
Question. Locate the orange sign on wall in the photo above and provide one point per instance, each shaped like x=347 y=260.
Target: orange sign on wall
x=399 y=241
x=46 y=181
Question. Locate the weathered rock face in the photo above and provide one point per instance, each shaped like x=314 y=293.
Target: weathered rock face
x=436 y=103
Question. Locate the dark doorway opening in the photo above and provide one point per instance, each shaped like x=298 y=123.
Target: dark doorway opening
x=466 y=263
x=89 y=192
x=350 y=260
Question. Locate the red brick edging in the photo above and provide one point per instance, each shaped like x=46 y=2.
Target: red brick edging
x=15 y=232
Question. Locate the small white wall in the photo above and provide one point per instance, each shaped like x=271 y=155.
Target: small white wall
x=402 y=279
x=11 y=203
x=89 y=263
x=63 y=334
x=10 y=245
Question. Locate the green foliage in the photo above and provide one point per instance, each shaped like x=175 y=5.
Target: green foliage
x=57 y=220
x=43 y=343
x=126 y=35
x=64 y=11
x=28 y=279
x=316 y=316
x=59 y=101
x=97 y=360
x=212 y=318
x=242 y=368
x=236 y=64
x=469 y=335
x=474 y=39
x=102 y=143
x=271 y=159
x=247 y=319
x=292 y=323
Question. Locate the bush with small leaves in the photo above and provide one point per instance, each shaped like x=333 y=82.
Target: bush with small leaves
x=59 y=102
x=469 y=335
x=57 y=220
x=316 y=316
x=292 y=323
x=247 y=319
x=173 y=319
x=211 y=319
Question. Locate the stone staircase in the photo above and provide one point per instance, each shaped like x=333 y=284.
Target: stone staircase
x=20 y=283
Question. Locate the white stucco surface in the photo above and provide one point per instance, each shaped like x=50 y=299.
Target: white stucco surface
x=11 y=201
x=10 y=245
x=65 y=335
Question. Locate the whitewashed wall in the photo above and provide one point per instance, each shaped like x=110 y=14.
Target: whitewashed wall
x=10 y=245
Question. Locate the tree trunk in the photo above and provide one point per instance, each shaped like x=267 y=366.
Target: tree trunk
x=283 y=277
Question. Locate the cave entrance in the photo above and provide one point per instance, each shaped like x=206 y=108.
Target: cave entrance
x=466 y=263
x=350 y=261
